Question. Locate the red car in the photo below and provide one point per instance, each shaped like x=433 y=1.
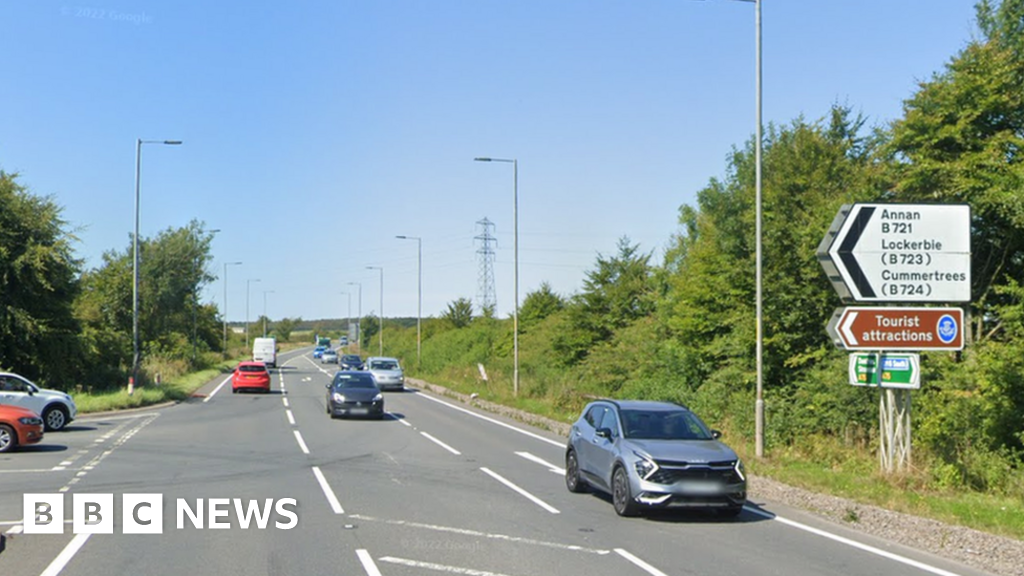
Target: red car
x=250 y=376
x=19 y=427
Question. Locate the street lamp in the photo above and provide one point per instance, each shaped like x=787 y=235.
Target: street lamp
x=226 y=264
x=359 y=313
x=195 y=302
x=265 y=292
x=380 y=330
x=348 y=319
x=136 y=348
x=515 y=249
x=419 y=291
x=247 y=282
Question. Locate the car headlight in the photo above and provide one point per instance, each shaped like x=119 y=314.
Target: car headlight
x=378 y=397
x=740 y=470
x=31 y=421
x=644 y=466
x=338 y=397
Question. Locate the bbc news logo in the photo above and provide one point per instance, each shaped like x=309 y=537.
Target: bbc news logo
x=144 y=513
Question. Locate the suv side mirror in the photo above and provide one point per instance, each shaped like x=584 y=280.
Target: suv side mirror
x=603 y=432
x=716 y=434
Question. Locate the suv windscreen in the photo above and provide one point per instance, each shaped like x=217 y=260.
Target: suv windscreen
x=663 y=425
x=384 y=365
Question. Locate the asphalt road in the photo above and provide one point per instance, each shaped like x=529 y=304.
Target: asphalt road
x=435 y=487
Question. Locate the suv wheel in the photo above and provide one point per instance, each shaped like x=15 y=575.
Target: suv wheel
x=55 y=417
x=622 y=494
x=572 y=474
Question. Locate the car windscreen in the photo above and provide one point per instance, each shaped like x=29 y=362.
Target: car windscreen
x=353 y=381
x=353 y=359
x=384 y=365
x=251 y=368
x=663 y=425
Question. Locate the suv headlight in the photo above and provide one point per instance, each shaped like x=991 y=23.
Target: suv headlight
x=644 y=466
x=740 y=470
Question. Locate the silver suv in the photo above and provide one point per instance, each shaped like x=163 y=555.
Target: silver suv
x=387 y=372
x=653 y=455
x=56 y=408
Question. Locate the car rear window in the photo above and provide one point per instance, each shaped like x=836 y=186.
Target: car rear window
x=252 y=368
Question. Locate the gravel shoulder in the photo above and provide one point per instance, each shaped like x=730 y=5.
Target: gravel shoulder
x=989 y=552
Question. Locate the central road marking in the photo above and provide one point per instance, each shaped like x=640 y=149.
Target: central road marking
x=541 y=461
x=367 y=561
x=65 y=555
x=441 y=444
x=644 y=565
x=291 y=419
x=328 y=492
x=217 y=389
x=531 y=497
x=438 y=567
x=302 y=443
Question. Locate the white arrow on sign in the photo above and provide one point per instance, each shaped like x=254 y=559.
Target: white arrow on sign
x=850 y=336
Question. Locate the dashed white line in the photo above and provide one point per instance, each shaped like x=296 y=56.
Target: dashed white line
x=217 y=389
x=493 y=421
x=441 y=444
x=66 y=555
x=302 y=443
x=541 y=461
x=367 y=562
x=403 y=422
x=524 y=493
x=644 y=565
x=285 y=401
x=438 y=567
x=328 y=492
x=291 y=419
x=16 y=529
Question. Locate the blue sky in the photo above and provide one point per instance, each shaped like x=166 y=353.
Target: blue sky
x=314 y=132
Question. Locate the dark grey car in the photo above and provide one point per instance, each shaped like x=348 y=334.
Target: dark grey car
x=653 y=455
x=354 y=394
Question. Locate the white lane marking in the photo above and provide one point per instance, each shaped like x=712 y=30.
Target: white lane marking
x=441 y=444
x=541 y=461
x=302 y=443
x=403 y=422
x=644 y=565
x=291 y=419
x=285 y=401
x=531 y=497
x=493 y=421
x=16 y=529
x=26 y=470
x=367 y=562
x=65 y=555
x=438 y=567
x=854 y=543
x=478 y=534
x=217 y=389
x=328 y=492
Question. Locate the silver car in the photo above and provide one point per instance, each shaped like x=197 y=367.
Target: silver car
x=387 y=372
x=329 y=357
x=56 y=408
x=653 y=455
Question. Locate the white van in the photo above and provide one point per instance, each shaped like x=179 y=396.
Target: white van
x=265 y=350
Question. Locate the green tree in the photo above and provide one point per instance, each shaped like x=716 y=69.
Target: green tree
x=459 y=312
x=284 y=327
x=370 y=326
x=38 y=330
x=538 y=305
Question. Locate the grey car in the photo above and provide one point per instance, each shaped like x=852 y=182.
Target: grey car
x=653 y=455
x=387 y=372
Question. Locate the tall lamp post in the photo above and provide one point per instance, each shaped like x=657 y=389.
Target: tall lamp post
x=247 y=282
x=380 y=329
x=265 y=292
x=195 y=304
x=419 y=292
x=348 y=319
x=136 y=348
x=515 y=244
x=359 y=313
x=226 y=264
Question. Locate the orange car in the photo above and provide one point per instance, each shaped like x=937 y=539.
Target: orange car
x=250 y=376
x=19 y=427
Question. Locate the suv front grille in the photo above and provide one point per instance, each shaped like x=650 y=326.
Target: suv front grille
x=670 y=472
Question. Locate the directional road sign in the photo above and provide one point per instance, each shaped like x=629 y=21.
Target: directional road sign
x=892 y=328
x=900 y=252
x=897 y=370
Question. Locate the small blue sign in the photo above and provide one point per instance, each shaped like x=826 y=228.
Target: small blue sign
x=890 y=363
x=947 y=328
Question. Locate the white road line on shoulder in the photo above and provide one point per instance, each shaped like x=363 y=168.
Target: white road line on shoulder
x=493 y=421
x=478 y=534
x=328 y=492
x=437 y=567
x=217 y=389
x=65 y=555
x=441 y=444
x=644 y=565
x=524 y=493
x=291 y=419
x=367 y=562
x=854 y=543
x=541 y=461
x=302 y=443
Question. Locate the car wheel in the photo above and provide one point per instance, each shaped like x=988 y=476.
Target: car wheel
x=622 y=494
x=572 y=474
x=55 y=417
x=7 y=438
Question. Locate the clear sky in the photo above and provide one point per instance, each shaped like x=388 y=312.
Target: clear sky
x=314 y=132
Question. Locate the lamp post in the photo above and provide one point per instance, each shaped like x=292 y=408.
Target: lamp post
x=348 y=319
x=136 y=348
x=195 y=303
x=247 y=282
x=359 y=313
x=226 y=264
x=419 y=292
x=380 y=329
x=515 y=249
x=265 y=292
